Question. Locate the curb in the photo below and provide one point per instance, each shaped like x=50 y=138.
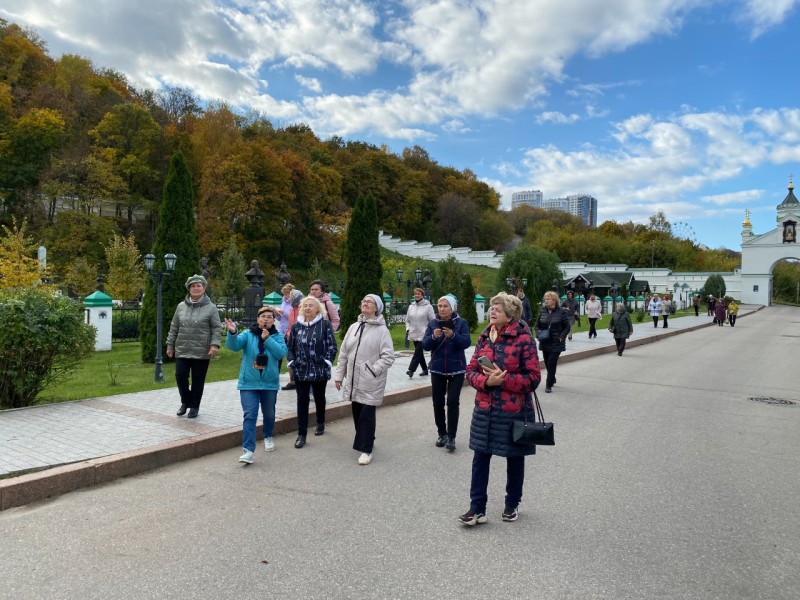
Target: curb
x=55 y=481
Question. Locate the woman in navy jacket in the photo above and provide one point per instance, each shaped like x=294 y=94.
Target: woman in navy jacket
x=446 y=338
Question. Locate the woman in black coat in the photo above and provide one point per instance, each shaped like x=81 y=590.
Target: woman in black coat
x=552 y=329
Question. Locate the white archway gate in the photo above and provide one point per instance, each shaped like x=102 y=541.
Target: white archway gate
x=760 y=253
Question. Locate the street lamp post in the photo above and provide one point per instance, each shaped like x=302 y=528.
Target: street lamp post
x=158 y=279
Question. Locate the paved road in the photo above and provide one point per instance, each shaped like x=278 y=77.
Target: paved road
x=667 y=482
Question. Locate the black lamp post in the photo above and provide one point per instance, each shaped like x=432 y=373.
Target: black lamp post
x=158 y=279
x=341 y=287
x=426 y=283
x=408 y=285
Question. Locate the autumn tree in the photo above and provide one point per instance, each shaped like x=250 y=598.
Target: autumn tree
x=363 y=260
x=19 y=266
x=126 y=276
x=175 y=233
x=81 y=276
x=540 y=267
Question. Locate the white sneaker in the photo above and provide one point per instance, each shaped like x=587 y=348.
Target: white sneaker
x=365 y=458
x=269 y=444
x=247 y=457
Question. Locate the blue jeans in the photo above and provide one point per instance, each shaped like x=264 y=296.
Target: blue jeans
x=515 y=478
x=251 y=399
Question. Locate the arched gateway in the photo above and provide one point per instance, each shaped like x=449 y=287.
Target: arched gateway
x=760 y=253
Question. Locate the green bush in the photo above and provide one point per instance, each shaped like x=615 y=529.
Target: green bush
x=638 y=314
x=44 y=339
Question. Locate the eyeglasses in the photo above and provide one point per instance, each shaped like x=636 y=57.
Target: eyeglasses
x=368 y=301
x=266 y=314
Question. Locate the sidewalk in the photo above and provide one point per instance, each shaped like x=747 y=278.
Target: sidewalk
x=52 y=449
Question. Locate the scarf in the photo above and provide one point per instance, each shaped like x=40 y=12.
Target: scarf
x=256 y=331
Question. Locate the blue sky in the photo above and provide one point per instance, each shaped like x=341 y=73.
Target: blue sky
x=685 y=106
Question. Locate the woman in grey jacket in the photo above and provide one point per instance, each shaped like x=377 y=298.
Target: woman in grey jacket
x=366 y=354
x=419 y=314
x=621 y=327
x=194 y=339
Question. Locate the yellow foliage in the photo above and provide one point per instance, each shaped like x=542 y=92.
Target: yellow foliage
x=18 y=265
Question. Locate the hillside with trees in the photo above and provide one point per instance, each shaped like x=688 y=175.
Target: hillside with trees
x=84 y=156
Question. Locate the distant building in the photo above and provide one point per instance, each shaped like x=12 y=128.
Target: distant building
x=532 y=198
x=580 y=205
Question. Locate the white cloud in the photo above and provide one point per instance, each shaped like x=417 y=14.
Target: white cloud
x=734 y=197
x=765 y=14
x=557 y=117
x=311 y=83
x=664 y=164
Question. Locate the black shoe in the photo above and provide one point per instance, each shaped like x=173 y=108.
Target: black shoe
x=619 y=353
x=182 y=410
x=300 y=441
x=441 y=441
x=470 y=518
x=288 y=386
x=410 y=374
x=451 y=444
x=423 y=374
x=510 y=514
x=192 y=413
x=548 y=390
x=320 y=430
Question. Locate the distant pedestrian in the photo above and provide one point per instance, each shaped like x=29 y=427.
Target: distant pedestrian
x=621 y=327
x=655 y=309
x=552 y=328
x=666 y=309
x=733 y=310
x=194 y=338
x=366 y=354
x=296 y=297
x=527 y=311
x=720 y=311
x=593 y=310
x=329 y=313
x=447 y=337
x=311 y=350
x=285 y=309
x=710 y=302
x=573 y=309
x=696 y=304
x=419 y=314
x=262 y=347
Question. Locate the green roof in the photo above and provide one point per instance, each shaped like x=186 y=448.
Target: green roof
x=272 y=299
x=98 y=299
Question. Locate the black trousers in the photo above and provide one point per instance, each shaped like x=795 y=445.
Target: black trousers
x=479 y=486
x=197 y=369
x=364 y=421
x=696 y=310
x=418 y=359
x=446 y=389
x=620 y=344
x=303 y=388
x=550 y=363
x=592 y=330
x=665 y=321
x=655 y=321
x=732 y=320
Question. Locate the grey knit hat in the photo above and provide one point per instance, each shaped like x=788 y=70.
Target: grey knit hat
x=196 y=279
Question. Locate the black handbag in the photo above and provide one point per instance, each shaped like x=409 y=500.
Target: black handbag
x=533 y=433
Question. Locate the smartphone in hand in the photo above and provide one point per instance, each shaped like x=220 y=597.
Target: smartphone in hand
x=485 y=362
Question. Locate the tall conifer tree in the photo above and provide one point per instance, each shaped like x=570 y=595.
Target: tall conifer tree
x=175 y=233
x=466 y=305
x=363 y=258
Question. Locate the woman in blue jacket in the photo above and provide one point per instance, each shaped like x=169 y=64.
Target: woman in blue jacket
x=446 y=337
x=262 y=349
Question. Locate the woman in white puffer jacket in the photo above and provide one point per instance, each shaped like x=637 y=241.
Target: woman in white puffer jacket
x=365 y=356
x=420 y=313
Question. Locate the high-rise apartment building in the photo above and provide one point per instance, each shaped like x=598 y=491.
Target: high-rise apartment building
x=580 y=205
x=532 y=198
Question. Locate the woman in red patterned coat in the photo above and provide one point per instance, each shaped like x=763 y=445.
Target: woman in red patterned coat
x=502 y=393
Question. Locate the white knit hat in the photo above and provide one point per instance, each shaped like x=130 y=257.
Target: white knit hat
x=452 y=301
x=378 y=302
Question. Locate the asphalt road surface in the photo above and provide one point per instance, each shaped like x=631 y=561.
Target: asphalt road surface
x=667 y=481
